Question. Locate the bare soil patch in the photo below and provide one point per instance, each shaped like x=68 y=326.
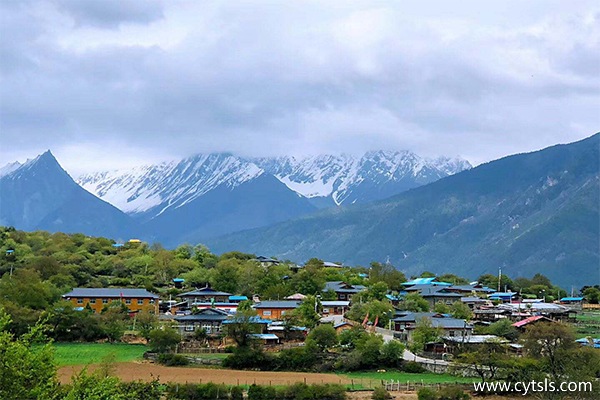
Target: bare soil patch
x=133 y=371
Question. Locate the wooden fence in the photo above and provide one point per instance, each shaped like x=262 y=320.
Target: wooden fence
x=397 y=386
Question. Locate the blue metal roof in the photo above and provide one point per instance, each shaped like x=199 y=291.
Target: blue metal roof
x=264 y=336
x=238 y=298
x=572 y=299
x=178 y=280
x=426 y=281
x=254 y=320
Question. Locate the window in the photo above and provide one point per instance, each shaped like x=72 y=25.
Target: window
x=451 y=333
x=127 y=301
x=92 y=301
x=79 y=301
x=151 y=301
x=140 y=301
x=326 y=311
x=342 y=296
x=267 y=312
x=104 y=301
x=189 y=328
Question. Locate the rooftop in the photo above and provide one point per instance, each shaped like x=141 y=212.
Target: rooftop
x=110 y=292
x=206 y=291
x=277 y=304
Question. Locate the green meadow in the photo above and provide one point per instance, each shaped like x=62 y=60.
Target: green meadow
x=93 y=353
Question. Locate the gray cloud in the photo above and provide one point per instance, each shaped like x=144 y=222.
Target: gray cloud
x=111 y=13
x=147 y=81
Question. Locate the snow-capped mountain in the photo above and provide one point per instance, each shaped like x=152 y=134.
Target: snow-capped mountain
x=326 y=180
x=151 y=190
x=347 y=179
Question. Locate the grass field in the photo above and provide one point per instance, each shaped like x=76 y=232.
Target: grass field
x=91 y=353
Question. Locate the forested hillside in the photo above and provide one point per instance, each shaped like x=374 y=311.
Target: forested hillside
x=528 y=213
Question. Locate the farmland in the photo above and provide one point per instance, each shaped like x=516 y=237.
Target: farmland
x=93 y=353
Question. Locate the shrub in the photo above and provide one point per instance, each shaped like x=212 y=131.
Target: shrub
x=141 y=390
x=172 y=360
x=452 y=393
x=247 y=357
x=164 y=340
x=236 y=393
x=296 y=359
x=413 y=367
x=207 y=391
x=312 y=392
x=381 y=394
x=427 y=394
x=256 y=392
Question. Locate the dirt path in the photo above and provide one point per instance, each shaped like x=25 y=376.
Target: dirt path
x=132 y=371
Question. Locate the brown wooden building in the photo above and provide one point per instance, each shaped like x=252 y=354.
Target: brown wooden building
x=97 y=298
x=275 y=309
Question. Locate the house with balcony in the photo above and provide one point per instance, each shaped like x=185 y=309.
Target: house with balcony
x=209 y=319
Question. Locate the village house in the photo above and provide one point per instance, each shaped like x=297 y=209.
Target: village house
x=438 y=294
x=209 y=319
x=274 y=309
x=524 y=323
x=267 y=261
x=206 y=295
x=406 y=322
x=334 y=307
x=344 y=291
x=98 y=298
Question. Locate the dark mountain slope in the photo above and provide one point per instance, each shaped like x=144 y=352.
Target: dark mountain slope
x=535 y=212
x=41 y=195
x=259 y=202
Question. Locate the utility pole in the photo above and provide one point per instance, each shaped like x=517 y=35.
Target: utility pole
x=499 y=277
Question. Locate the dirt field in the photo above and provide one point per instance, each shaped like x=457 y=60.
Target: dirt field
x=133 y=371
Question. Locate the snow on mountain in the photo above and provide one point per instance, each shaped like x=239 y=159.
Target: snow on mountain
x=339 y=177
x=9 y=168
x=334 y=179
x=155 y=188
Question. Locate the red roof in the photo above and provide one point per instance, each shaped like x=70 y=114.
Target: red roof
x=528 y=320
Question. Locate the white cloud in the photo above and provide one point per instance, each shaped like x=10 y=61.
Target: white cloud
x=166 y=79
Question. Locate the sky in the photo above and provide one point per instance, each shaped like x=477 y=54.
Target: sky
x=116 y=83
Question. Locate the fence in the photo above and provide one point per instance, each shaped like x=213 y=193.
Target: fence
x=398 y=386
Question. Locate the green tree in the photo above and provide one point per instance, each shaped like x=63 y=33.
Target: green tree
x=308 y=281
x=145 y=322
x=441 y=307
x=460 y=310
x=388 y=274
x=487 y=360
x=503 y=328
x=552 y=343
x=241 y=326
x=392 y=353
x=27 y=370
x=592 y=295
x=423 y=333
x=414 y=302
x=323 y=336
x=453 y=279
x=226 y=275
x=307 y=313
x=114 y=319
x=163 y=340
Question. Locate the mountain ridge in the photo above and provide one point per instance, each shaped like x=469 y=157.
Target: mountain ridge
x=446 y=226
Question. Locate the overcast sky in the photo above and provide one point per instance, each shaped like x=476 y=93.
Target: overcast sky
x=113 y=83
